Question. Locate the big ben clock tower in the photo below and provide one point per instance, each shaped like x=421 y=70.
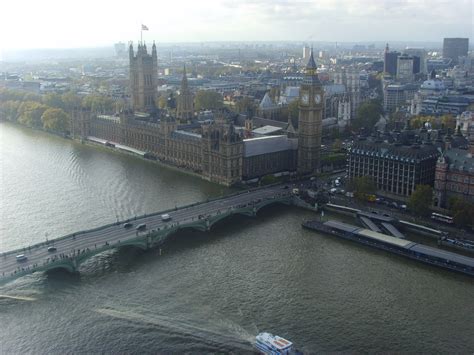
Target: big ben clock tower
x=310 y=121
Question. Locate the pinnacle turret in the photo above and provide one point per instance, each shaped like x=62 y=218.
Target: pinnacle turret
x=311 y=63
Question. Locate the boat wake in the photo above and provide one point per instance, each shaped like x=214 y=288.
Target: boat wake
x=20 y=298
x=222 y=331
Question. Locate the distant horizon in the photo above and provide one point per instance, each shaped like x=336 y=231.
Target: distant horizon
x=56 y=24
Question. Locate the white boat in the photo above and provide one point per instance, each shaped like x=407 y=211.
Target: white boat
x=273 y=344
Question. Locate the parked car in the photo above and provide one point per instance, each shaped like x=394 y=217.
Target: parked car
x=52 y=249
x=127 y=225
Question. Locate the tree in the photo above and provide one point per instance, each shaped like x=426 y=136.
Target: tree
x=368 y=114
x=9 y=110
x=208 y=100
x=337 y=145
x=362 y=186
x=30 y=112
x=274 y=93
x=55 y=119
x=418 y=121
x=162 y=100
x=246 y=105
x=53 y=100
x=98 y=103
x=293 y=110
x=449 y=122
x=421 y=200
x=462 y=211
x=70 y=100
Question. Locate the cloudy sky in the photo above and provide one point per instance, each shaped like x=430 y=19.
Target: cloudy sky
x=90 y=23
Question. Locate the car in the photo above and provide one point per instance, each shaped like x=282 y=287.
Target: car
x=394 y=204
x=386 y=215
x=333 y=190
x=52 y=249
x=141 y=227
x=21 y=257
x=403 y=207
x=165 y=217
x=127 y=225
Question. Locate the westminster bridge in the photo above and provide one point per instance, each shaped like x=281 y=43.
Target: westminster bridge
x=69 y=251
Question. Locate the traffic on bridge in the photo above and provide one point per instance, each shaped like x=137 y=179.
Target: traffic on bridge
x=144 y=232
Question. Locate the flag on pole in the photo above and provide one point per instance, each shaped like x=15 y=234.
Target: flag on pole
x=144 y=28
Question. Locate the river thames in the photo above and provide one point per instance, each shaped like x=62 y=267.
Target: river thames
x=206 y=292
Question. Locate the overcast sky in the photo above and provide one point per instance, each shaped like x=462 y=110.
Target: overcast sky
x=91 y=23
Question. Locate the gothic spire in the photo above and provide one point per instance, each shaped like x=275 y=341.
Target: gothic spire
x=184 y=81
x=311 y=63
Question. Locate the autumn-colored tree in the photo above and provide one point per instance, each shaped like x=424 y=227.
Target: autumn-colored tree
x=208 y=100
x=55 y=119
x=9 y=110
x=30 y=112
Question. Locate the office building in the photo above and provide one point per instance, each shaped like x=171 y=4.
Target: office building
x=453 y=48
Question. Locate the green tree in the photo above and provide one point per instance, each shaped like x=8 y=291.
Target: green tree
x=208 y=100
x=421 y=200
x=362 y=186
x=337 y=145
x=53 y=100
x=368 y=114
x=71 y=100
x=30 y=112
x=293 y=110
x=7 y=94
x=98 y=103
x=462 y=211
x=246 y=105
x=268 y=179
x=55 y=119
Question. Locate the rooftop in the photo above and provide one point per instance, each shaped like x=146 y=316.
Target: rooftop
x=178 y=134
x=268 y=144
x=460 y=159
x=265 y=130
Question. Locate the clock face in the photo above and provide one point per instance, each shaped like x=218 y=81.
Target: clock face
x=317 y=98
x=305 y=98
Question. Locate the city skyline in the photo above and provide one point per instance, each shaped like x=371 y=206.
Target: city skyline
x=51 y=24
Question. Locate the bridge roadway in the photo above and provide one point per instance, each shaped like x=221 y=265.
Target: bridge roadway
x=74 y=248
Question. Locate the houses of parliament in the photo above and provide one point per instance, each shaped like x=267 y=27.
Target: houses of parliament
x=217 y=150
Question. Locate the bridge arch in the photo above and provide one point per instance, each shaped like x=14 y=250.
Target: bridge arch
x=68 y=266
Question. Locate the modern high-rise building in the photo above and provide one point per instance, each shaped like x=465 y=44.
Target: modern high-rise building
x=453 y=48
x=310 y=120
x=120 y=49
x=185 y=109
x=405 y=68
x=143 y=78
x=390 y=61
x=306 y=53
x=419 y=59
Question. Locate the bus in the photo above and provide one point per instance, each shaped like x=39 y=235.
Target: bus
x=442 y=218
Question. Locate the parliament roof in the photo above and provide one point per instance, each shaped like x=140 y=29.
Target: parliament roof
x=268 y=144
